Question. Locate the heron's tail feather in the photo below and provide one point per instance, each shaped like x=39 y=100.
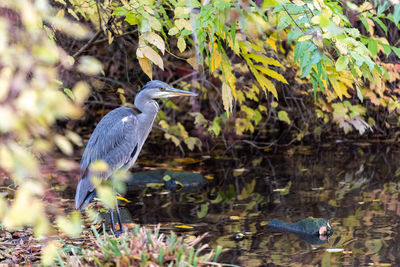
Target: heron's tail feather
x=84 y=193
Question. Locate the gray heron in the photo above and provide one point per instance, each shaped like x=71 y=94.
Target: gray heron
x=119 y=138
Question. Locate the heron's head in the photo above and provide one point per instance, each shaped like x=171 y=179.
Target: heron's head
x=159 y=89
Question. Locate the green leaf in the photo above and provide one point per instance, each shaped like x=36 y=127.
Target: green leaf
x=216 y=127
x=72 y=226
x=270 y=3
x=386 y=48
x=131 y=19
x=396 y=14
x=284 y=21
x=396 y=50
x=380 y=23
x=341 y=63
x=382 y=7
x=359 y=94
x=203 y=210
x=299 y=50
x=373 y=47
x=69 y=93
x=120 y=11
x=283 y=116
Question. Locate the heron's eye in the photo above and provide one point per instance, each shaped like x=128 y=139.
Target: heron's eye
x=162 y=88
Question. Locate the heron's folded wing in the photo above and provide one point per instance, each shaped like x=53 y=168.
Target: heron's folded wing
x=112 y=141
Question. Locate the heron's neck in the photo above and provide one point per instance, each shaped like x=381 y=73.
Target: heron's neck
x=146 y=104
x=148 y=108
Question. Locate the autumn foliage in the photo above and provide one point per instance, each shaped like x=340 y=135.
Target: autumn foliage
x=268 y=72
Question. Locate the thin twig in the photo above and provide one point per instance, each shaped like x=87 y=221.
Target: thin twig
x=88 y=44
x=115 y=37
x=293 y=19
x=184 y=77
x=178 y=57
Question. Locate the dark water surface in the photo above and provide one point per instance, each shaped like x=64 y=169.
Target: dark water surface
x=355 y=187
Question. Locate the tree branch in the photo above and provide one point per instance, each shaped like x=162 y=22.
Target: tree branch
x=88 y=44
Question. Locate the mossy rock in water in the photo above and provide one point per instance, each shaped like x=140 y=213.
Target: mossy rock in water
x=172 y=180
x=312 y=230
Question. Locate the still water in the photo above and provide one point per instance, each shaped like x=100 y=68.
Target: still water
x=355 y=187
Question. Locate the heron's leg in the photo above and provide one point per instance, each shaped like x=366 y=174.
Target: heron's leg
x=112 y=221
x=118 y=216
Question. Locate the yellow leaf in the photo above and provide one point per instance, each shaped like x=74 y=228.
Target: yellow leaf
x=272 y=43
x=181 y=12
x=81 y=91
x=228 y=75
x=122 y=98
x=126 y=4
x=181 y=44
x=173 y=138
x=155 y=40
x=184 y=226
x=66 y=165
x=74 y=137
x=63 y=144
x=98 y=166
x=271 y=73
x=342 y=47
x=193 y=62
x=148 y=10
x=152 y=55
x=215 y=59
x=305 y=37
x=145 y=65
x=164 y=124
x=340 y=88
x=183 y=131
x=365 y=6
x=227 y=98
x=265 y=84
x=6 y=75
x=90 y=65
x=110 y=37
x=155 y=24
x=265 y=60
x=106 y=195
x=123 y=199
x=183 y=23
x=49 y=252
x=173 y=31
x=71 y=226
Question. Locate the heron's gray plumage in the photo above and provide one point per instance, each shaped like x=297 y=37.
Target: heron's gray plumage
x=113 y=141
x=119 y=137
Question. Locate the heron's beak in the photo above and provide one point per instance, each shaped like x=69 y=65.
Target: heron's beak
x=170 y=92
